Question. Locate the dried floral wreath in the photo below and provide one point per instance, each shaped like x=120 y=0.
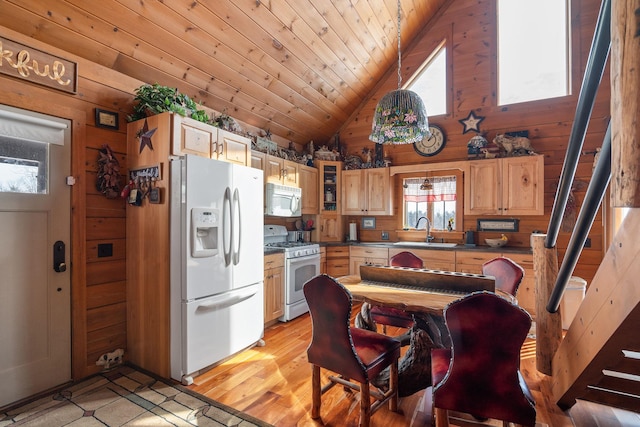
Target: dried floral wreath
x=108 y=182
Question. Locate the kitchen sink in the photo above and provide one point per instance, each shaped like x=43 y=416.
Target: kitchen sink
x=427 y=244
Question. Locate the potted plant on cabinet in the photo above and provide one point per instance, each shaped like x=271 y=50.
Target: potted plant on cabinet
x=156 y=99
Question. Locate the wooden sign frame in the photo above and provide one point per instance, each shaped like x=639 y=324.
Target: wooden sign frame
x=33 y=65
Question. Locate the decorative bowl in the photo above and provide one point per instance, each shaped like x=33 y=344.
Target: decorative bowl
x=496 y=243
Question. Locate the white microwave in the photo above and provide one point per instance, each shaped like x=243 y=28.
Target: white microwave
x=281 y=200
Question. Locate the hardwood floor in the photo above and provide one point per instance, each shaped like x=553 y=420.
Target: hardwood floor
x=273 y=383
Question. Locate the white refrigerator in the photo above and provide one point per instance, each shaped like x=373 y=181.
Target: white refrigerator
x=217 y=265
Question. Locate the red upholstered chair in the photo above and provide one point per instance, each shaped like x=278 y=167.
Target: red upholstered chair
x=394 y=316
x=508 y=274
x=480 y=374
x=352 y=353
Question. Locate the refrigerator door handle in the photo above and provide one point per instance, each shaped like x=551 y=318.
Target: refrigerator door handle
x=237 y=212
x=227 y=300
x=226 y=203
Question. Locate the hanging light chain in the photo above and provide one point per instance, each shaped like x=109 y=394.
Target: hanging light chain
x=399 y=52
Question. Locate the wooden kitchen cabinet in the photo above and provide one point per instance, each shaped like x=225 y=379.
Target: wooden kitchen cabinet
x=281 y=171
x=471 y=262
x=337 y=261
x=258 y=159
x=308 y=177
x=526 y=294
x=190 y=136
x=193 y=137
x=233 y=148
x=273 y=287
x=366 y=255
x=506 y=186
x=432 y=259
x=366 y=192
x=323 y=259
x=330 y=227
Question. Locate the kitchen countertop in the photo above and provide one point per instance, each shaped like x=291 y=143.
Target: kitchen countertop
x=459 y=247
x=386 y=244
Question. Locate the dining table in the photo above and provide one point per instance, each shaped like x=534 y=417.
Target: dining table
x=424 y=294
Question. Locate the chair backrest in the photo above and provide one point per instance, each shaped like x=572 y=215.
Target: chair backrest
x=508 y=274
x=487 y=333
x=406 y=259
x=331 y=345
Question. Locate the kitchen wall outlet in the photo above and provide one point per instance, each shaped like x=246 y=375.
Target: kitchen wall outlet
x=385 y=235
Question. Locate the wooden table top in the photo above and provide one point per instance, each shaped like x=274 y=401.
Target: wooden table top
x=406 y=299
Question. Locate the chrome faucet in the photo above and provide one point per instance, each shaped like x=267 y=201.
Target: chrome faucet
x=429 y=236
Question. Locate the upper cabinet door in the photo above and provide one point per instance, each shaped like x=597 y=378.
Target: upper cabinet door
x=353 y=192
x=523 y=185
x=290 y=174
x=309 y=185
x=233 y=148
x=273 y=169
x=258 y=160
x=378 y=190
x=482 y=188
x=193 y=137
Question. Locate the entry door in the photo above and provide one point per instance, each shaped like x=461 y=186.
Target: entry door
x=35 y=325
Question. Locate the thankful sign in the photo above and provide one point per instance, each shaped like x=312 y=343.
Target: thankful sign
x=39 y=67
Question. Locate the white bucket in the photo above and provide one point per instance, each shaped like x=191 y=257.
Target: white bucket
x=571 y=300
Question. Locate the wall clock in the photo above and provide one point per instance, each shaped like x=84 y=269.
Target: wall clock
x=432 y=145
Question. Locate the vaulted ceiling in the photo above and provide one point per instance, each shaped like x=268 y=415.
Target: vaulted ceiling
x=299 y=68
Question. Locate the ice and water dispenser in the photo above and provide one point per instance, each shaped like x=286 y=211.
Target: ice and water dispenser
x=204 y=232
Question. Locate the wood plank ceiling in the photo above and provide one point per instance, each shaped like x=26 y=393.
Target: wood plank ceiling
x=299 y=68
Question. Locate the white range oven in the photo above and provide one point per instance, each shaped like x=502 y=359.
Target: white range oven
x=301 y=263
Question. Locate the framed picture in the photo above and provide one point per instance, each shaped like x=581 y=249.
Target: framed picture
x=106 y=119
x=368 y=222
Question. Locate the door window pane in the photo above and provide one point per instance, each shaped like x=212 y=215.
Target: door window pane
x=23 y=166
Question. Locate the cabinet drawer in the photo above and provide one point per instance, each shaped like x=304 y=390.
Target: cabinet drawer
x=368 y=252
x=432 y=259
x=471 y=261
x=337 y=251
x=475 y=257
x=523 y=260
x=338 y=267
x=273 y=261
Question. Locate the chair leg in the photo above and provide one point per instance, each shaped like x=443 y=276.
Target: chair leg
x=393 y=385
x=365 y=405
x=441 y=416
x=316 y=393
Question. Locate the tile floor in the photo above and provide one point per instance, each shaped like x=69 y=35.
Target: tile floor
x=125 y=397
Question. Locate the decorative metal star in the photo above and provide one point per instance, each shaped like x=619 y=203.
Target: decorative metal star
x=145 y=136
x=471 y=123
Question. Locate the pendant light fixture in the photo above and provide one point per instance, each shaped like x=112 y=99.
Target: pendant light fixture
x=426 y=185
x=400 y=117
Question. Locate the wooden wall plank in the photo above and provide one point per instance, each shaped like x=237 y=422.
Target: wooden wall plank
x=106 y=294
x=105 y=272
